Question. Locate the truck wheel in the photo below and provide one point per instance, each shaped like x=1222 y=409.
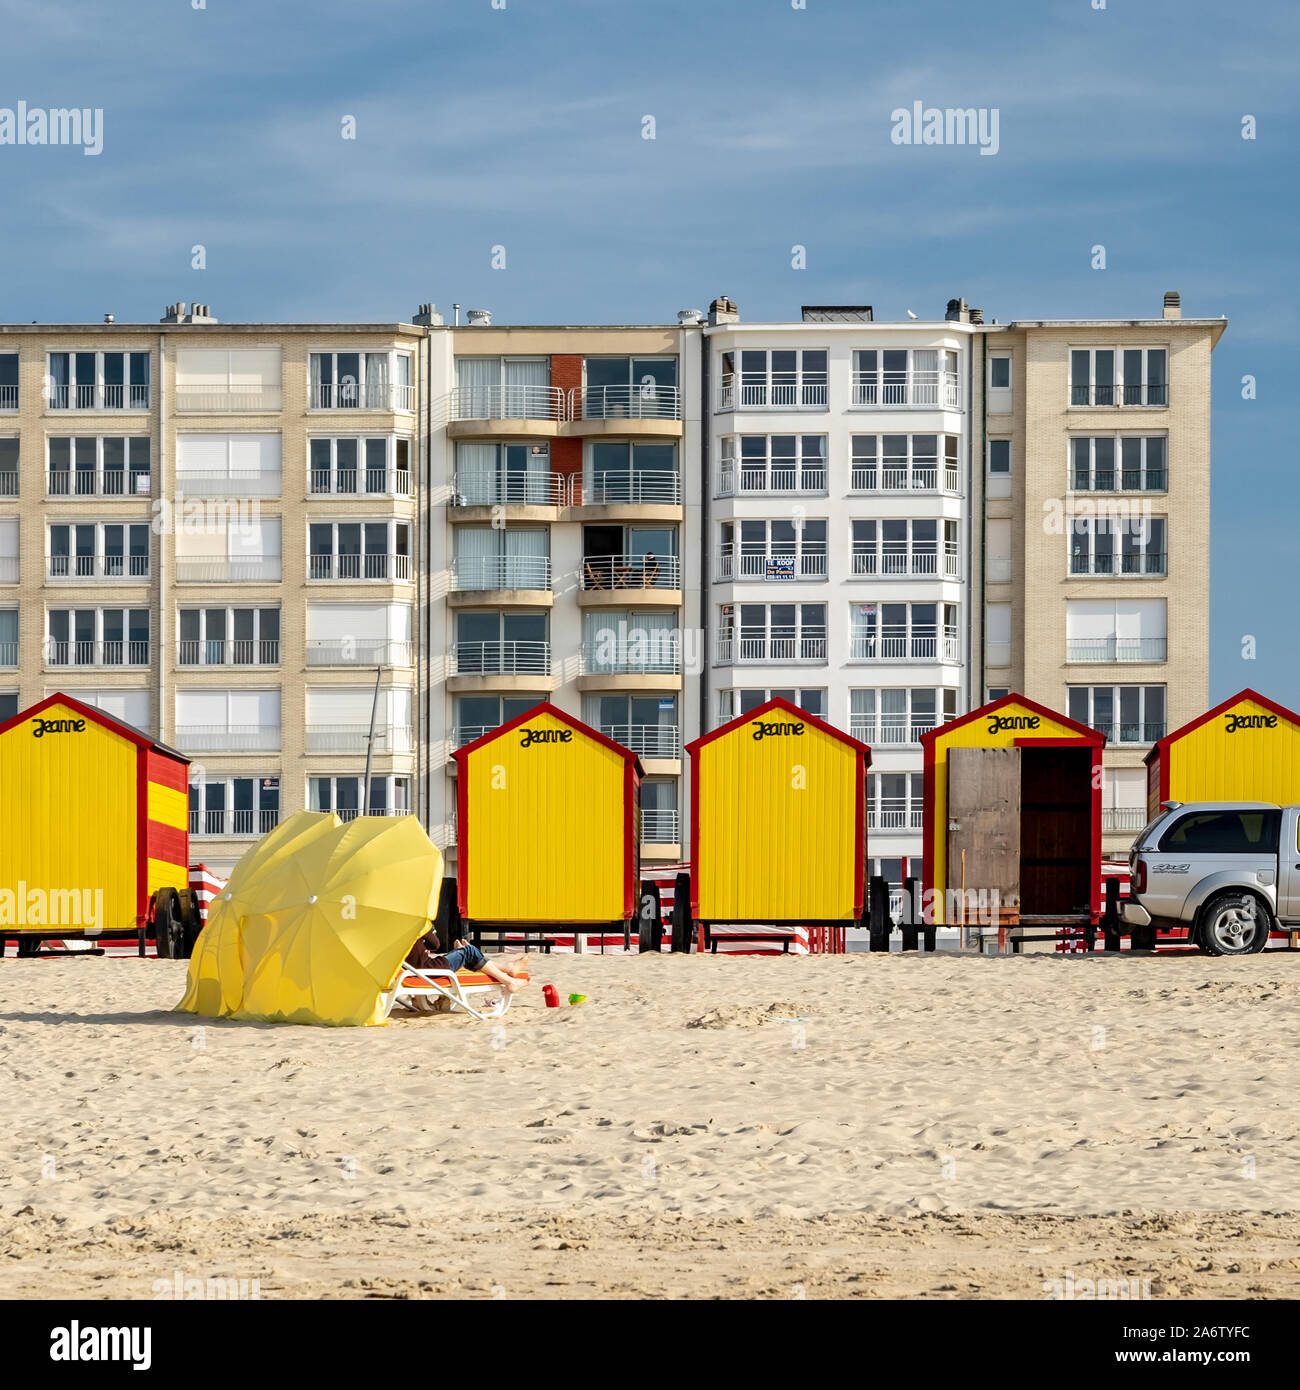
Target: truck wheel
x=1233 y=924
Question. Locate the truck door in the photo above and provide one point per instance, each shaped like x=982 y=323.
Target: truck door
x=984 y=821
x=1288 y=868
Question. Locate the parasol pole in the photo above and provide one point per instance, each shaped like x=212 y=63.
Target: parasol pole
x=370 y=744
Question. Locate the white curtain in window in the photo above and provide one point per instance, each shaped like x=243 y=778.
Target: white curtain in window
x=476 y=473
x=477 y=552
x=523 y=378
x=478 y=380
x=377 y=379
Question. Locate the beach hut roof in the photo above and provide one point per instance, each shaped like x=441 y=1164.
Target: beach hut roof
x=801 y=716
x=1162 y=745
x=1086 y=733
x=96 y=716
x=545 y=707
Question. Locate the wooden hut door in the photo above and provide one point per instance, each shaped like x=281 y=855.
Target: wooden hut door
x=984 y=820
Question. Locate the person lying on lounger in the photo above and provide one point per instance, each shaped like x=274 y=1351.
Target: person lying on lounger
x=424 y=955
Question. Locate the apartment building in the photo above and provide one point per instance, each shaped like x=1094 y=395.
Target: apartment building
x=564 y=485
x=836 y=531
x=1095 y=507
x=213 y=531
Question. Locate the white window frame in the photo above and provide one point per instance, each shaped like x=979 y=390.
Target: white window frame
x=393 y=573
x=1118 y=469
x=908 y=472
x=131 y=571
x=806 y=471
x=1118 y=390
x=131 y=400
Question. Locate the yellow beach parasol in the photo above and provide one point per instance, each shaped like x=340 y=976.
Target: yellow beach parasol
x=315 y=921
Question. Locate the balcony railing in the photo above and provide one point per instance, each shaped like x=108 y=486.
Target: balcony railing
x=8 y=653
x=777 y=477
x=903 y=477
x=1156 y=394
x=347 y=813
x=625 y=403
x=631 y=572
x=891 y=728
x=223 y=738
x=1120 y=818
x=660 y=827
x=502 y=658
x=110 y=653
x=918 y=645
x=91 y=567
x=647 y=654
x=733 y=650
x=897 y=559
x=352 y=482
x=510 y=490
x=885 y=389
x=9 y=397
x=72 y=397
x=256 y=569
x=358 y=651
x=238 y=651
x=1135 y=731
x=467 y=733
x=772 y=392
x=895 y=813
x=634 y=486
x=1115 y=649
x=8 y=569
x=486 y=572
x=260 y=483
x=352 y=738
x=508 y=403
x=1145 y=562
x=647 y=740
x=1130 y=480
x=232 y=824
x=355 y=395
x=8 y=482
x=392 y=568
x=88 y=482
x=234 y=400
x=809 y=564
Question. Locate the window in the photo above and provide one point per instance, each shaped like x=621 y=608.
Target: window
x=8 y=550
x=245 y=552
x=98 y=381
x=1123 y=799
x=906 y=377
x=378 y=464
x=510 y=644
x=97 y=637
x=904 y=463
x=8 y=704
x=1124 y=713
x=617 y=388
x=234 y=806
x=359 y=634
x=490 y=557
x=1000 y=372
x=630 y=643
x=895 y=801
x=660 y=824
x=997 y=550
x=998 y=692
x=8 y=467
x=899 y=716
x=242 y=380
x=234 y=721
x=737 y=702
x=506 y=388
x=128 y=706
x=8 y=637
x=361 y=381
x=647 y=724
x=338 y=719
x=228 y=465
x=772 y=463
x=777 y=378
x=1119 y=376
x=997 y=634
x=1119 y=463
x=1115 y=630
x=902 y=548
x=999 y=479
x=1223 y=832
x=776 y=632
x=98 y=550
x=229 y=637
x=623 y=471
x=630 y=557
x=8 y=381
x=1109 y=546
x=89 y=466
x=354 y=550
x=903 y=632
x=772 y=550
x=477 y=715
x=389 y=796
x=516 y=474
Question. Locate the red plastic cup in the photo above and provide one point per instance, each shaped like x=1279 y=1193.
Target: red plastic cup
x=552 y=996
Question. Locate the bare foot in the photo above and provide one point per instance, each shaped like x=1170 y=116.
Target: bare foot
x=514 y=965
x=513 y=986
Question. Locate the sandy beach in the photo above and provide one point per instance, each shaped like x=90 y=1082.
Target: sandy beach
x=846 y=1127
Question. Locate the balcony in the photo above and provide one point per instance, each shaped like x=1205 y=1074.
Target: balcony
x=8 y=653
x=903 y=477
x=264 y=569
x=635 y=487
x=647 y=402
x=886 y=390
x=368 y=395
x=631 y=572
x=8 y=569
x=358 y=651
x=646 y=654
x=776 y=478
x=807 y=392
x=263 y=483
x=90 y=568
x=1119 y=819
x=1145 y=562
x=353 y=738
x=746 y=566
x=347 y=813
x=508 y=403
x=221 y=738
x=356 y=568
x=110 y=653
x=510 y=490
x=229 y=652
x=253 y=399
x=891 y=729
x=231 y=825
x=485 y=573
x=919 y=645
x=115 y=397
x=895 y=559
x=359 y=482
x=502 y=658
x=1135 y=732
x=647 y=740
x=8 y=482
x=9 y=397
x=86 y=482
x=895 y=813
x=1151 y=395
x=1129 y=480
x=1106 y=649
x=744 y=650
x=660 y=827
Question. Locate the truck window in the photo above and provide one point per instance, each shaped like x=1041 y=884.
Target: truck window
x=1223 y=832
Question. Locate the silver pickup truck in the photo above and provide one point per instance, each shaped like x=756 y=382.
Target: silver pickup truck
x=1227 y=870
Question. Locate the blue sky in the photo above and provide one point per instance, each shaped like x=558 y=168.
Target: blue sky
x=522 y=127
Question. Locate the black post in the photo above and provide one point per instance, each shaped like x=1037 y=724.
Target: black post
x=878 y=913
x=1110 y=918
x=911 y=915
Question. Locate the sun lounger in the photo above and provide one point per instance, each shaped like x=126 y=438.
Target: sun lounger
x=422 y=991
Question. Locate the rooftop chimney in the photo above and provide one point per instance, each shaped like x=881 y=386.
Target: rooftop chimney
x=958 y=311
x=1173 y=305
x=478 y=318
x=687 y=317
x=200 y=313
x=723 y=310
x=174 y=313
x=108 y=318
x=977 y=316
x=428 y=315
